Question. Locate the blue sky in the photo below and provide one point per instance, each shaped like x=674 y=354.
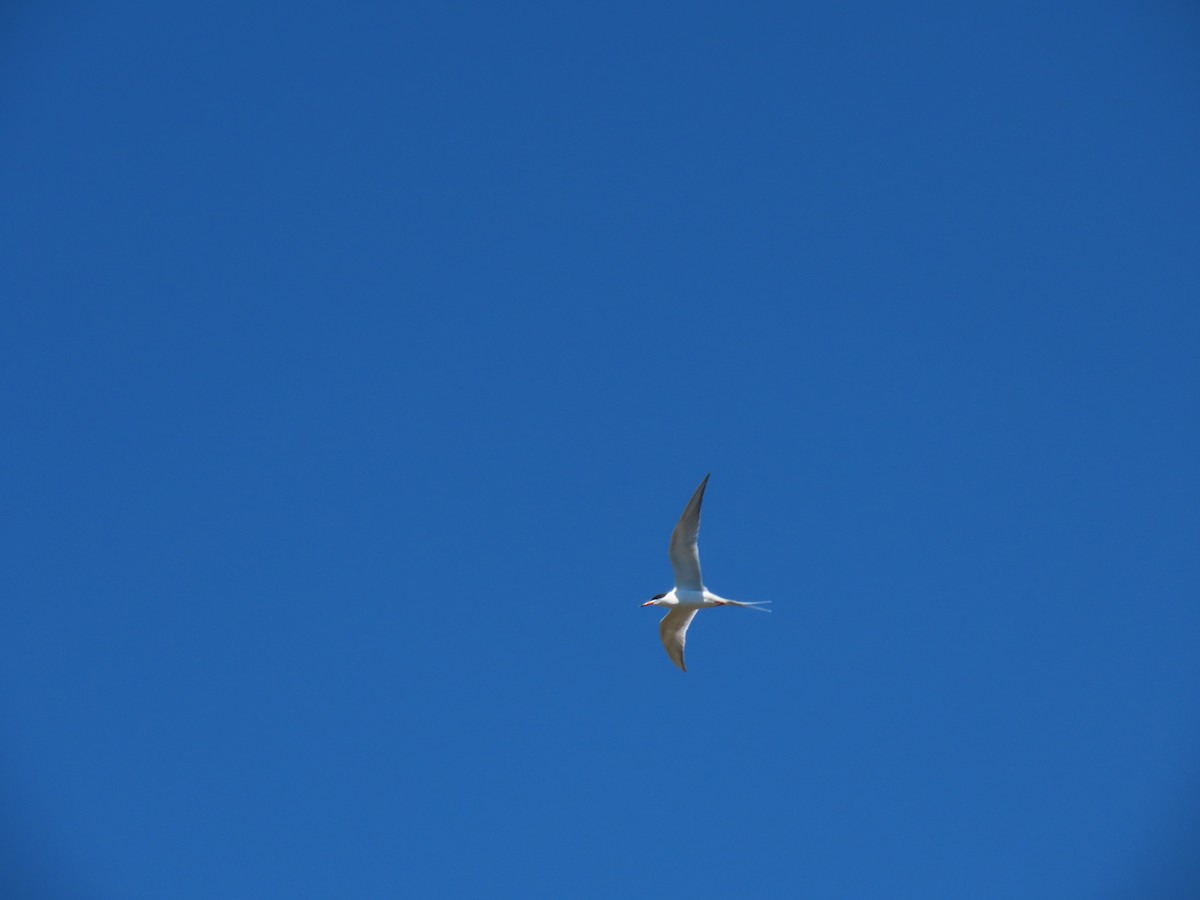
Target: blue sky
x=357 y=361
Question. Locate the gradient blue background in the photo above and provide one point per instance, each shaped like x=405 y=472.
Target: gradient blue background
x=357 y=360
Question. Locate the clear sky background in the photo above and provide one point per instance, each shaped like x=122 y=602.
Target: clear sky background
x=357 y=360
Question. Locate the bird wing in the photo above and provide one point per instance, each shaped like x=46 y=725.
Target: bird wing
x=673 y=631
x=685 y=555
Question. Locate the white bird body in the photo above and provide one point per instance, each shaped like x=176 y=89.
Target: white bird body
x=702 y=599
x=689 y=595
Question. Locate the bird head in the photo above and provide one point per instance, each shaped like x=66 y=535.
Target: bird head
x=653 y=601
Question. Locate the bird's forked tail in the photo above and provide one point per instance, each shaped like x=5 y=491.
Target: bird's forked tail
x=749 y=604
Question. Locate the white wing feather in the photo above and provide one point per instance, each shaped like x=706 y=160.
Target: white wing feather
x=673 y=631
x=685 y=555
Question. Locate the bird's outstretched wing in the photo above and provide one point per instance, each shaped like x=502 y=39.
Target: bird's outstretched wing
x=673 y=631
x=685 y=555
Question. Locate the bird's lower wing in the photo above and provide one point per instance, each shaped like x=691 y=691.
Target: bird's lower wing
x=673 y=631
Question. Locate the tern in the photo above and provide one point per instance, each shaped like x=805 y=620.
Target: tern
x=690 y=595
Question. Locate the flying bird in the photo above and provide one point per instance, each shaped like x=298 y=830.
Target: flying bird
x=690 y=595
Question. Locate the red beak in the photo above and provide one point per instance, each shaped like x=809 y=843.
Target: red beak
x=648 y=603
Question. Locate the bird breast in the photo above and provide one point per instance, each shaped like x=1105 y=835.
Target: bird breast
x=684 y=597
